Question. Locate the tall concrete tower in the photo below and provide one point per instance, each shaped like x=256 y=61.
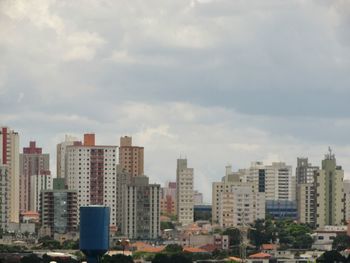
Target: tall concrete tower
x=184 y=193
x=329 y=193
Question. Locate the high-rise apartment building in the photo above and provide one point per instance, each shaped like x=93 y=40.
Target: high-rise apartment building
x=305 y=171
x=4 y=196
x=184 y=192
x=141 y=209
x=61 y=155
x=123 y=179
x=329 y=193
x=92 y=171
x=276 y=180
x=59 y=209
x=32 y=162
x=305 y=191
x=235 y=201
x=242 y=204
x=37 y=184
x=230 y=178
x=9 y=156
x=131 y=157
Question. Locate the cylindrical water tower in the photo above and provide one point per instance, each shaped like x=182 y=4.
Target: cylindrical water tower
x=94 y=232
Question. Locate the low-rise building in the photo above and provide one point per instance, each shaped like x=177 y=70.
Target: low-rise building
x=323 y=237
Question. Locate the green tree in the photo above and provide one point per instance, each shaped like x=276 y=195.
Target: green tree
x=331 y=256
x=173 y=248
x=341 y=242
x=180 y=258
x=160 y=258
x=234 y=236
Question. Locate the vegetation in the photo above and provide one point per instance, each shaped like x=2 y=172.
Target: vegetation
x=11 y=248
x=173 y=249
x=50 y=243
x=289 y=233
x=331 y=256
x=341 y=242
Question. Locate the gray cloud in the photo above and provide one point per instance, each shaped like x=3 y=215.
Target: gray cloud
x=220 y=81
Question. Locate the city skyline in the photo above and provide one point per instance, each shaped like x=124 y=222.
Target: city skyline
x=220 y=82
x=172 y=173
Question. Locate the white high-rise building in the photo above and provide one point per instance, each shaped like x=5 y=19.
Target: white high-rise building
x=92 y=171
x=242 y=204
x=37 y=184
x=230 y=178
x=141 y=209
x=61 y=156
x=9 y=156
x=227 y=199
x=275 y=180
x=184 y=192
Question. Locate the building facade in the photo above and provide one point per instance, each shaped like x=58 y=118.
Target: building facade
x=230 y=179
x=4 y=196
x=184 y=192
x=61 y=155
x=37 y=184
x=92 y=171
x=123 y=179
x=346 y=186
x=168 y=199
x=131 y=158
x=59 y=210
x=198 y=198
x=32 y=162
x=9 y=156
x=329 y=193
x=141 y=209
x=305 y=191
x=240 y=205
x=306 y=203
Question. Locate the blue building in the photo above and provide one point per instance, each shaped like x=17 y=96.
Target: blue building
x=282 y=209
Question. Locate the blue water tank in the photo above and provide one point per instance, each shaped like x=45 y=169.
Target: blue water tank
x=94 y=231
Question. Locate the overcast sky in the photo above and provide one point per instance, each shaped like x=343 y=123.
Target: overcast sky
x=218 y=82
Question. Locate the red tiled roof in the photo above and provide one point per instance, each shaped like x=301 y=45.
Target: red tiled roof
x=260 y=256
x=151 y=249
x=209 y=247
x=268 y=246
x=235 y=259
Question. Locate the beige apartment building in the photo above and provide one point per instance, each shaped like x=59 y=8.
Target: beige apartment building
x=235 y=201
x=131 y=158
x=184 y=192
x=329 y=193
